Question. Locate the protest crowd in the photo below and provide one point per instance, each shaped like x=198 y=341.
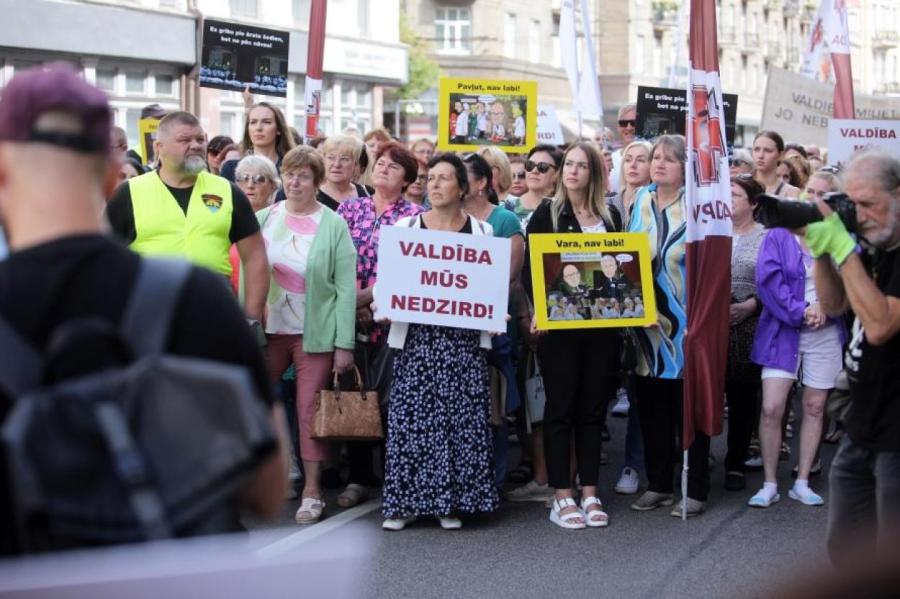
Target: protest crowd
x=284 y=241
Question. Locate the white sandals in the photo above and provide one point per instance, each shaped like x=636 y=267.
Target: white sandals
x=594 y=518
x=570 y=520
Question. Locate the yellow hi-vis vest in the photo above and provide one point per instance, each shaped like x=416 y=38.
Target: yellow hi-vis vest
x=162 y=228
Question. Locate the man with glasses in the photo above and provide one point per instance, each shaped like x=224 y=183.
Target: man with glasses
x=181 y=209
x=627 y=120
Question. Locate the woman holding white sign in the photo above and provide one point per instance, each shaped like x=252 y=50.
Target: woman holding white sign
x=439 y=459
x=577 y=364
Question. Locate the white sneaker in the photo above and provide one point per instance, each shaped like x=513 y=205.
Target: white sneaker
x=622 y=405
x=530 y=491
x=397 y=523
x=449 y=523
x=629 y=482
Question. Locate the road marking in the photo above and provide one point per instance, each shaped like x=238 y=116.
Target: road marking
x=291 y=542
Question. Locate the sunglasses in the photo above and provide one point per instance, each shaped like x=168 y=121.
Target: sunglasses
x=627 y=123
x=248 y=179
x=517 y=176
x=542 y=167
x=737 y=162
x=829 y=169
x=743 y=176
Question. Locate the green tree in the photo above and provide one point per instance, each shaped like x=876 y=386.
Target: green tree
x=423 y=71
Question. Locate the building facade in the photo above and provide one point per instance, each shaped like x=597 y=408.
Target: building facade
x=145 y=51
x=644 y=42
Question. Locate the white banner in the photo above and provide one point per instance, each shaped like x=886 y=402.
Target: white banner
x=707 y=181
x=800 y=108
x=448 y=279
x=549 y=131
x=846 y=136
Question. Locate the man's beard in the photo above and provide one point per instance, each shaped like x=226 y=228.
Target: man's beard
x=194 y=164
x=883 y=236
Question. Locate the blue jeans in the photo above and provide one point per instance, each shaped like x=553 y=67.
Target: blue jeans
x=865 y=500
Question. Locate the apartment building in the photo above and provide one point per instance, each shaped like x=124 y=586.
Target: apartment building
x=144 y=51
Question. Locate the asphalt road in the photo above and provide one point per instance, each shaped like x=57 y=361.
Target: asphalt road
x=730 y=551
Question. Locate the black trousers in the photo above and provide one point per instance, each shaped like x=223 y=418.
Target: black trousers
x=743 y=418
x=576 y=366
x=660 y=405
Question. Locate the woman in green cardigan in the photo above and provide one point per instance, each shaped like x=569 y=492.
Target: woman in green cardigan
x=311 y=307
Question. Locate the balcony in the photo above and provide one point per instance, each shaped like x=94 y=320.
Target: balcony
x=885 y=38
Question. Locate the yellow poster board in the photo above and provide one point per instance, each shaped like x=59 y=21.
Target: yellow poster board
x=147 y=130
x=474 y=113
x=592 y=280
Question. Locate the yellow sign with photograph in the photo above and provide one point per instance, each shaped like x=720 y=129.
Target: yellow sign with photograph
x=592 y=280
x=486 y=112
x=147 y=130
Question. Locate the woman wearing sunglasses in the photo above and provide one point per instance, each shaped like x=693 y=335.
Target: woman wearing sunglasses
x=541 y=174
x=577 y=364
x=517 y=184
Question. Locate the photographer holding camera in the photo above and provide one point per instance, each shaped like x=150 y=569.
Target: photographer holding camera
x=865 y=473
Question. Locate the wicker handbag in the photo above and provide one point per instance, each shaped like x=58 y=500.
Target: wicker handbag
x=347 y=415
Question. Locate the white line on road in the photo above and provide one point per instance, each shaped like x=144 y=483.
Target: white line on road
x=291 y=542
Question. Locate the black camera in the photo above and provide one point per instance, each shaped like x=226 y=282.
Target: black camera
x=773 y=212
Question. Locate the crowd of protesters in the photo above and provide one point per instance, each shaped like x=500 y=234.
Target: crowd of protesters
x=305 y=265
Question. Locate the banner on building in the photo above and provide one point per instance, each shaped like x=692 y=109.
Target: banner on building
x=662 y=110
x=549 y=131
x=592 y=280
x=847 y=136
x=440 y=278
x=237 y=56
x=484 y=112
x=147 y=130
x=800 y=108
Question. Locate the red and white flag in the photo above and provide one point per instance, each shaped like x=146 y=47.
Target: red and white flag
x=827 y=56
x=708 y=207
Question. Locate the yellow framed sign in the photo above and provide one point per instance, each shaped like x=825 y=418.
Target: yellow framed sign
x=592 y=280
x=473 y=113
x=147 y=129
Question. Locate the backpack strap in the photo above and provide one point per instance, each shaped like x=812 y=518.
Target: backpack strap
x=20 y=368
x=151 y=306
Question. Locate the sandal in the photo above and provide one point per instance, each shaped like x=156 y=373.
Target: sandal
x=310 y=510
x=594 y=518
x=567 y=520
x=353 y=495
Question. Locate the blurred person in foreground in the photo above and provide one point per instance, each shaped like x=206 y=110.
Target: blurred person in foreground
x=55 y=171
x=865 y=473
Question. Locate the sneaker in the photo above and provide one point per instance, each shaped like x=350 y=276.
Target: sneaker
x=735 y=481
x=754 y=463
x=353 y=495
x=651 y=500
x=763 y=501
x=806 y=496
x=622 y=406
x=397 y=523
x=449 y=523
x=629 y=482
x=816 y=469
x=695 y=507
x=530 y=491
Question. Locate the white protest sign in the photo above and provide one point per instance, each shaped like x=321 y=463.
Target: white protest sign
x=846 y=136
x=549 y=130
x=799 y=108
x=448 y=279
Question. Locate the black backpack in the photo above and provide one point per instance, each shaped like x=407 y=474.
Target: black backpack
x=146 y=446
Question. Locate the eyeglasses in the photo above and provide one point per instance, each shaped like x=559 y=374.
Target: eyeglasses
x=542 y=167
x=627 y=123
x=732 y=162
x=743 y=176
x=248 y=179
x=517 y=176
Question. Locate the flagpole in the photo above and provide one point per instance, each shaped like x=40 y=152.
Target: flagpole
x=579 y=127
x=684 y=483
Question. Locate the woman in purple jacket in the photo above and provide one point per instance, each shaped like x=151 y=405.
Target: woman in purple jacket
x=793 y=336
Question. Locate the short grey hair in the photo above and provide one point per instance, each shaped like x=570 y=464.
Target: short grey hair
x=257 y=164
x=626 y=108
x=880 y=165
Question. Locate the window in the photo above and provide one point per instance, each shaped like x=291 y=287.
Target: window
x=453 y=30
x=300 y=8
x=165 y=85
x=134 y=82
x=534 y=41
x=509 y=35
x=244 y=8
x=106 y=79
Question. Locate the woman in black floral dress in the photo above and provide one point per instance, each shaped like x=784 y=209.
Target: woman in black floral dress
x=439 y=458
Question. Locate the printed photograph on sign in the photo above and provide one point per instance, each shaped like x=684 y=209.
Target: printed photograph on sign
x=480 y=112
x=663 y=111
x=237 y=56
x=592 y=280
